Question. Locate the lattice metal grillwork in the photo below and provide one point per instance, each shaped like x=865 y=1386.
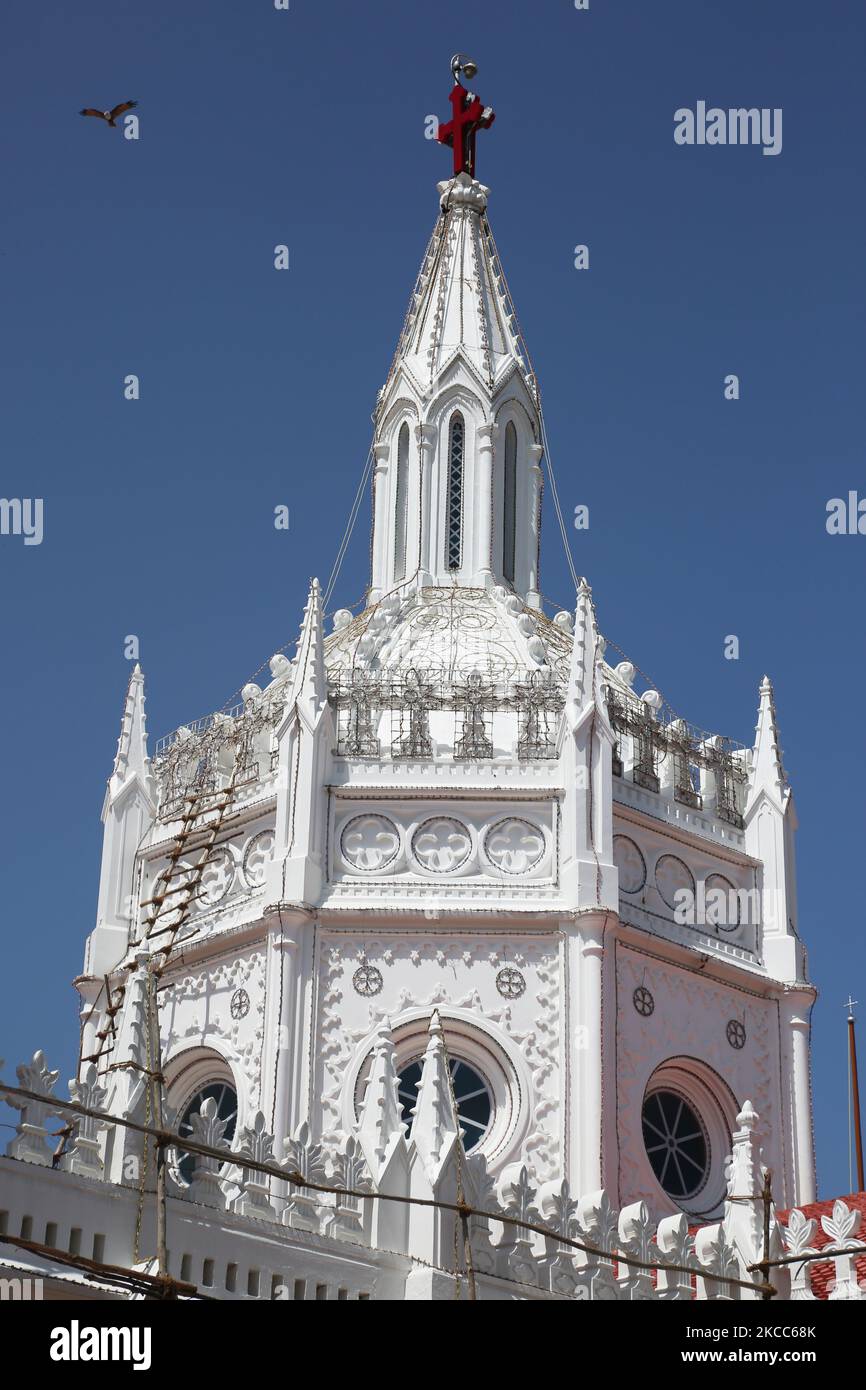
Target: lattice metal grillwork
x=685 y=765
x=361 y=699
x=356 y=734
x=648 y=737
x=539 y=704
x=692 y=751
x=475 y=700
x=410 y=717
x=730 y=782
x=233 y=746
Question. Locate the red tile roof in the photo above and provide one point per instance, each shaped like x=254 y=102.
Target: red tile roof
x=822 y=1272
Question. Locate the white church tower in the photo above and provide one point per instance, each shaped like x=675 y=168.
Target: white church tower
x=450 y=838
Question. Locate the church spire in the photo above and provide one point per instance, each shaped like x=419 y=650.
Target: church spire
x=460 y=304
x=457 y=486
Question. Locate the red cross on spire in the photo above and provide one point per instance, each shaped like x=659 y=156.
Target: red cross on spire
x=468 y=116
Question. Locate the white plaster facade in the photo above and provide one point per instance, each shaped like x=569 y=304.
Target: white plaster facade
x=449 y=785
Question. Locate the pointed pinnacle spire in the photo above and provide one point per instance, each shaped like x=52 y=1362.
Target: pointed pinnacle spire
x=767 y=769
x=434 y=1123
x=381 y=1114
x=582 y=676
x=131 y=753
x=310 y=686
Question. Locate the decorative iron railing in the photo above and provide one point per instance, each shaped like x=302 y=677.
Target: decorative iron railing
x=366 y=704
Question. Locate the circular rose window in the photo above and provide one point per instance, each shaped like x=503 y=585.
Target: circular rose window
x=472 y=1098
x=676 y=1144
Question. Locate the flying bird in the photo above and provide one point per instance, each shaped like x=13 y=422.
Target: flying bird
x=109 y=116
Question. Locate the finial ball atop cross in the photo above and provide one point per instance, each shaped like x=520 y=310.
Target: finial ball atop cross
x=468 y=116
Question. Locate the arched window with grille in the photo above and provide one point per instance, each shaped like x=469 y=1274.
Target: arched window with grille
x=401 y=498
x=453 y=534
x=509 y=504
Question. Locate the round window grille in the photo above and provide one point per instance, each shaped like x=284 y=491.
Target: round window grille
x=643 y=1001
x=472 y=1097
x=510 y=983
x=367 y=980
x=226 y=1108
x=676 y=1144
x=736 y=1034
x=240 y=1004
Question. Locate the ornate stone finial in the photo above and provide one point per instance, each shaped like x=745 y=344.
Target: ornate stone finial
x=257 y=1146
x=29 y=1142
x=207 y=1128
x=349 y=1170
x=83 y=1153
x=842 y=1227
x=799 y=1235
x=306 y=1158
x=463 y=192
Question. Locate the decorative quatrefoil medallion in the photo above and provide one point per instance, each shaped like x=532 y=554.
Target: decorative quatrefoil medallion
x=256 y=856
x=643 y=1001
x=736 y=1034
x=367 y=980
x=240 y=1004
x=442 y=845
x=369 y=843
x=514 y=845
x=510 y=983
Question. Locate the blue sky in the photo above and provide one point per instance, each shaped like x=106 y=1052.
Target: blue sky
x=155 y=257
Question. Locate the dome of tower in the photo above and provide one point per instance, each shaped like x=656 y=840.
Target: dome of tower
x=452 y=632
